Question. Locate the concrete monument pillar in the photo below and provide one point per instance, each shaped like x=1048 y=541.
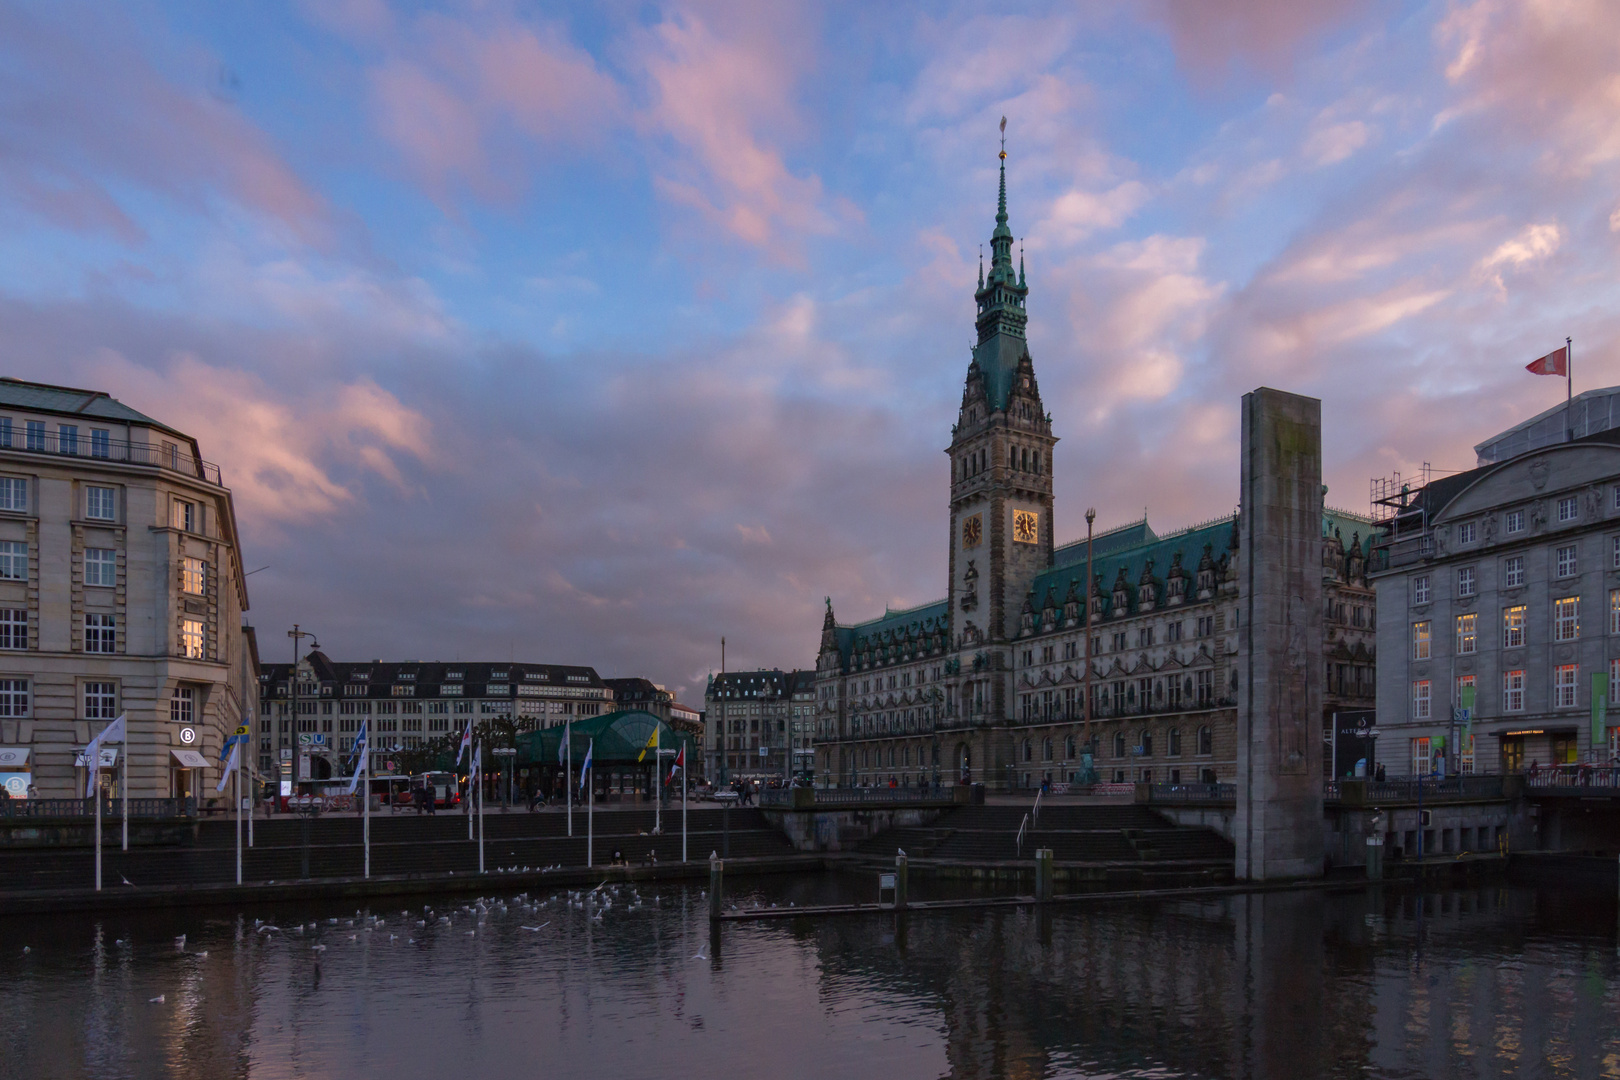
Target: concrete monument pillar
x=1279 y=753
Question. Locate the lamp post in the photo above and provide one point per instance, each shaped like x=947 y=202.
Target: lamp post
x=297 y=634
x=1085 y=650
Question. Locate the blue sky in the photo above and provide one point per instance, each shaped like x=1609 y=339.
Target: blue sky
x=590 y=333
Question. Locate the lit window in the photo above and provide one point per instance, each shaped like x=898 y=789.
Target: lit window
x=1564 y=686
x=1465 y=581
x=1420 y=699
x=13 y=697
x=100 y=700
x=1467 y=633
x=100 y=504
x=13 y=493
x=1466 y=533
x=1420 y=590
x=191 y=639
x=1566 y=509
x=1566 y=561
x=101 y=567
x=1420 y=640
x=1513 y=627
x=100 y=633
x=13 y=560
x=1515 y=521
x=193 y=576
x=1567 y=618
x=1513 y=572
x=1614 y=611
x=1421 y=760
x=13 y=628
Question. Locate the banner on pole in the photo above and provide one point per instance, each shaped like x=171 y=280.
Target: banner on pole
x=1600 y=708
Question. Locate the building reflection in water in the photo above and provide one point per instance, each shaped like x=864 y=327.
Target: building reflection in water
x=1486 y=982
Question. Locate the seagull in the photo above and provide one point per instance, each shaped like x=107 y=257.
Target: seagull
x=318 y=948
x=699 y=955
x=900 y=850
x=126 y=881
x=157 y=1000
x=26 y=950
x=201 y=955
x=542 y=926
x=180 y=942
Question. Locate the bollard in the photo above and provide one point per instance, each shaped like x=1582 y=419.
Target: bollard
x=1043 y=875
x=899 y=883
x=1375 y=857
x=717 y=883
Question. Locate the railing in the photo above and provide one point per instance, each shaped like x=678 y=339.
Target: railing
x=171 y=456
x=1574 y=780
x=1192 y=793
x=1023 y=827
x=1412 y=789
x=84 y=808
x=840 y=796
x=1035 y=814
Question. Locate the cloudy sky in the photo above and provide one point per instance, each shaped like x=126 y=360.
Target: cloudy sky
x=591 y=333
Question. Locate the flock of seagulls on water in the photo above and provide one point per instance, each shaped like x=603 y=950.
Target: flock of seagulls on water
x=595 y=905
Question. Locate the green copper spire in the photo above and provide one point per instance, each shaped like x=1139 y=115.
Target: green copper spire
x=1001 y=293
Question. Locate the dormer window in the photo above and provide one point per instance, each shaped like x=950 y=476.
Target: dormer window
x=452 y=675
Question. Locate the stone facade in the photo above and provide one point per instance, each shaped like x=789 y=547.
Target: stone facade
x=307 y=722
x=121 y=592
x=746 y=712
x=1505 y=578
x=990 y=683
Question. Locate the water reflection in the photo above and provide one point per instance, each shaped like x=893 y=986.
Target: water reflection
x=1486 y=982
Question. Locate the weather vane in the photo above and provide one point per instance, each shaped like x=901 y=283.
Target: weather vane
x=1003 y=138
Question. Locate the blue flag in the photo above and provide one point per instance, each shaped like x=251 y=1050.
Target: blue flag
x=585 y=768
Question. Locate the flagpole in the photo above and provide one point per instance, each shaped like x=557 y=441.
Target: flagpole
x=590 y=815
x=683 y=804
x=96 y=748
x=1569 y=386
x=236 y=792
x=658 y=785
x=123 y=783
x=568 y=780
x=365 y=804
x=478 y=752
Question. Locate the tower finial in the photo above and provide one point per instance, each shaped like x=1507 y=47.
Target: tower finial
x=1001 y=202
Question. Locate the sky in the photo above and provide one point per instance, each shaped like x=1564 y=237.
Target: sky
x=591 y=333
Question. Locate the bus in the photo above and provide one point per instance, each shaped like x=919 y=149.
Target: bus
x=446 y=788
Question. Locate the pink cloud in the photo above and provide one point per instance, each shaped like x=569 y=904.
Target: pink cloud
x=469 y=102
x=88 y=114
x=725 y=98
x=1211 y=37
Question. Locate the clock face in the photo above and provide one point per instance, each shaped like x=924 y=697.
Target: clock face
x=1025 y=527
x=972 y=531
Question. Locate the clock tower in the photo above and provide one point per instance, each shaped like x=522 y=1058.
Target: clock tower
x=1001 y=481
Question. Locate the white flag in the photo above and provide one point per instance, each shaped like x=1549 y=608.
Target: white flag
x=230 y=767
x=363 y=764
x=113 y=732
x=466 y=741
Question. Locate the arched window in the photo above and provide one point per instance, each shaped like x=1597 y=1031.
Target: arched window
x=1068 y=747
x=1147 y=744
x=1029 y=751
x=1206 y=741
x=1119 y=744
x=1046 y=749
x=1174 y=747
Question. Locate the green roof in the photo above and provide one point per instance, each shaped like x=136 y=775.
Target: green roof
x=65 y=399
x=616 y=738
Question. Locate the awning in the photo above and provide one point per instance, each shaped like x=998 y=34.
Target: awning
x=13 y=758
x=189 y=759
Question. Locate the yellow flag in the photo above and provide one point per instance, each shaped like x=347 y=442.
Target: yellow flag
x=652 y=742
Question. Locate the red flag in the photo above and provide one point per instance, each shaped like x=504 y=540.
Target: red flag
x=1554 y=363
x=680 y=763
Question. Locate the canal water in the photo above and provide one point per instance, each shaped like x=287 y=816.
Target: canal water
x=1481 y=982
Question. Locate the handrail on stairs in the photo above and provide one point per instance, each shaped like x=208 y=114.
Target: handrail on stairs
x=1035 y=815
x=1023 y=827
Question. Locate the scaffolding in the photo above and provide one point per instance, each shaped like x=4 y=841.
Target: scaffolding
x=1389 y=495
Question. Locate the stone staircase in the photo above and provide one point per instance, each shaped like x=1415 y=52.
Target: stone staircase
x=290 y=849
x=1075 y=834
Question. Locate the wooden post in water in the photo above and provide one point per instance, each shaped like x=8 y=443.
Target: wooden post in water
x=1043 y=875
x=717 y=883
x=900 y=882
